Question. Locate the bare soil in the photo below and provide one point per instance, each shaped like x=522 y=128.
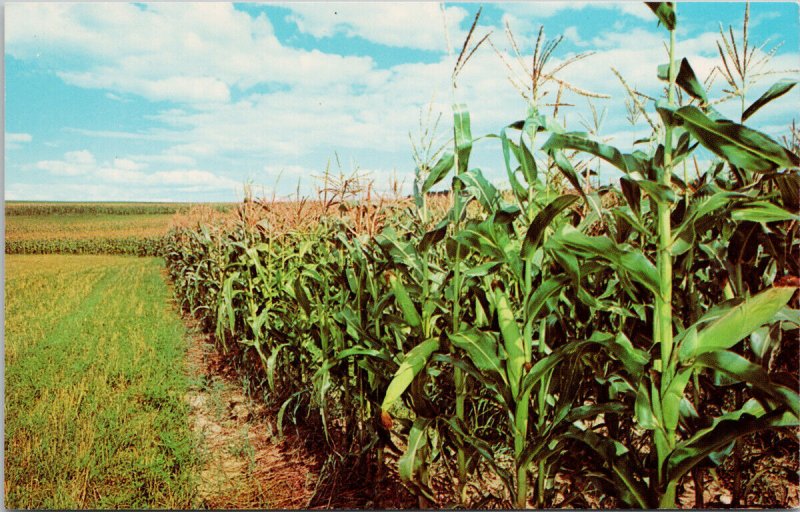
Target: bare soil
x=246 y=465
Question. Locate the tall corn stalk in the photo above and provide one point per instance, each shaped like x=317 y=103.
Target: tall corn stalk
x=662 y=328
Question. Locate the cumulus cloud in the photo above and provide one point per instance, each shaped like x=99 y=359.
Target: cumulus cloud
x=16 y=140
x=417 y=25
x=180 y=52
x=125 y=171
x=75 y=163
x=550 y=9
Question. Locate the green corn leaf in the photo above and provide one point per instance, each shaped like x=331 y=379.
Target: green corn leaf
x=438 y=172
x=270 y=365
x=692 y=451
x=479 y=187
x=762 y=211
x=665 y=13
x=408 y=308
x=481 y=348
x=591 y=411
x=463 y=136
x=686 y=80
x=738 y=322
x=567 y=170
x=526 y=161
x=512 y=338
x=643 y=410
x=627 y=163
x=536 y=300
x=413 y=362
x=535 y=234
x=760 y=342
x=657 y=191
x=736 y=143
x=706 y=206
x=671 y=399
x=483 y=270
x=632 y=358
x=519 y=191
x=363 y=351
x=409 y=463
x=631 y=192
x=739 y=368
x=632 y=262
x=302 y=297
x=544 y=366
x=777 y=90
x=434 y=236
x=623 y=467
x=228 y=294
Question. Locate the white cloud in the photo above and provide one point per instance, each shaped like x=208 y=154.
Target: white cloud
x=181 y=52
x=16 y=140
x=549 y=9
x=75 y=163
x=205 y=57
x=571 y=34
x=191 y=89
x=127 y=172
x=418 y=25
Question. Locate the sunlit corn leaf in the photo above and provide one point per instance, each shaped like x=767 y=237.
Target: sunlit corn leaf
x=412 y=364
x=633 y=262
x=627 y=163
x=407 y=306
x=736 y=143
x=479 y=187
x=657 y=191
x=481 y=348
x=760 y=342
x=777 y=90
x=644 y=415
x=738 y=322
x=512 y=339
x=438 y=172
x=671 y=399
x=409 y=463
x=519 y=191
x=463 y=136
x=762 y=211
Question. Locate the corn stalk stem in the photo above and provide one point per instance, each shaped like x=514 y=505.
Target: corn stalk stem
x=458 y=376
x=663 y=303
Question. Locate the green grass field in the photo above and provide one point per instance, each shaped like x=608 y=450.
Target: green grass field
x=95 y=415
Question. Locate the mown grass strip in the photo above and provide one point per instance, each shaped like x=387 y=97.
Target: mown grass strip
x=95 y=410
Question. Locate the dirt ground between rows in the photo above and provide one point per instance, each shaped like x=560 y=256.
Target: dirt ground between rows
x=246 y=465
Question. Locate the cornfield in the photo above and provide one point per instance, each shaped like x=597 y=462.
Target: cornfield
x=537 y=345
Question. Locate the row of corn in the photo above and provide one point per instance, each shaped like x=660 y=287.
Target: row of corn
x=549 y=345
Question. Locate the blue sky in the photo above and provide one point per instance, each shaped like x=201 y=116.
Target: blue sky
x=187 y=102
